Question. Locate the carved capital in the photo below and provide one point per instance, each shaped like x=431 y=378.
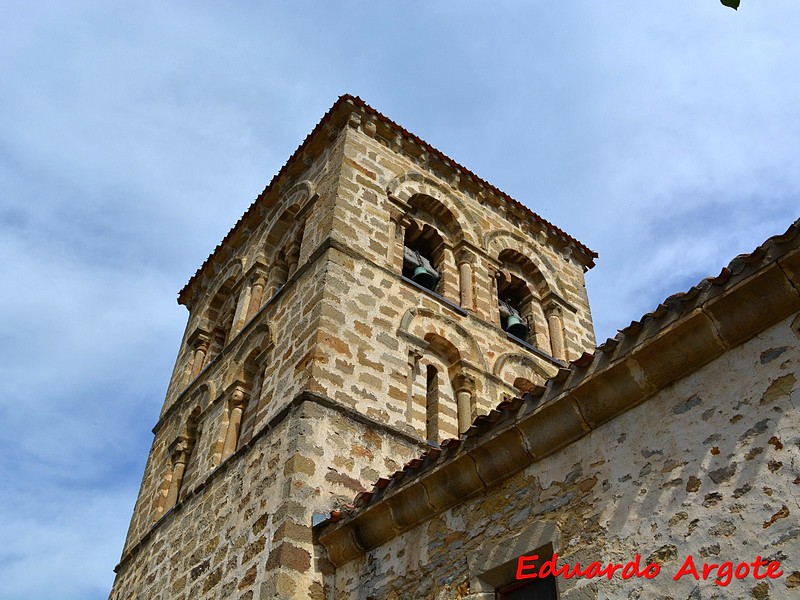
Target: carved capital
x=180 y=448
x=552 y=309
x=414 y=356
x=259 y=268
x=238 y=398
x=464 y=256
x=553 y=302
x=463 y=382
x=237 y=395
x=199 y=339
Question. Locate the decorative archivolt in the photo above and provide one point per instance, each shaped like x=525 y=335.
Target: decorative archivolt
x=228 y=276
x=418 y=190
x=511 y=366
x=257 y=340
x=283 y=216
x=202 y=397
x=425 y=324
x=501 y=242
x=191 y=426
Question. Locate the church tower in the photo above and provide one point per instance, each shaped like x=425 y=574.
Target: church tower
x=373 y=301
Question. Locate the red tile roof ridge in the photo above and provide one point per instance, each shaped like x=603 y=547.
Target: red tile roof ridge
x=357 y=101
x=442 y=156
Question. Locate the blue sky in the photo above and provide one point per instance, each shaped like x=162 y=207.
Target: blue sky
x=663 y=135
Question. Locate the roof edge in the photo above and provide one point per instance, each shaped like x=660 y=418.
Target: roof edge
x=710 y=319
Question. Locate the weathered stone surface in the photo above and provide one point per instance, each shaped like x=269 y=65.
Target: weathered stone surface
x=632 y=509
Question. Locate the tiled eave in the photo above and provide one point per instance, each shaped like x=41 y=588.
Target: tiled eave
x=335 y=118
x=685 y=332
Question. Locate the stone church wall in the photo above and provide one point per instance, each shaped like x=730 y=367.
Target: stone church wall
x=708 y=467
x=235 y=535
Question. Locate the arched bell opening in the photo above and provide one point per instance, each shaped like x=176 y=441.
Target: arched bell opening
x=423 y=253
x=515 y=298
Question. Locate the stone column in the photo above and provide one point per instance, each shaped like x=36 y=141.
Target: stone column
x=556 y=334
x=465 y=280
x=201 y=344
x=240 y=312
x=181 y=448
x=463 y=385
x=237 y=404
x=256 y=296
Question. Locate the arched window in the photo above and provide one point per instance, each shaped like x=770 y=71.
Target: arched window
x=449 y=390
x=193 y=467
x=432 y=404
x=283 y=246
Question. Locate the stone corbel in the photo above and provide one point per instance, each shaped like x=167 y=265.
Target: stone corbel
x=397 y=143
x=355 y=120
x=369 y=127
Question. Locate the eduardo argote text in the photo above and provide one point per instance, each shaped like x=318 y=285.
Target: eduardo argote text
x=721 y=573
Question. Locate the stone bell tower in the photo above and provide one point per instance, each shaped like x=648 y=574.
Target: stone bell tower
x=373 y=300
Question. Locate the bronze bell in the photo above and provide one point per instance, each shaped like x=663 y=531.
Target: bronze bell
x=424 y=278
x=516 y=326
